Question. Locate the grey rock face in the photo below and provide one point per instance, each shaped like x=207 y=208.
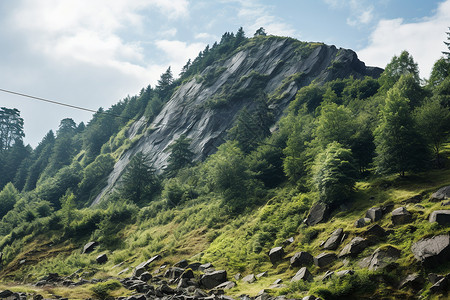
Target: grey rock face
x=227 y=285
x=380 y=258
x=276 y=254
x=102 y=258
x=318 y=213
x=334 y=240
x=441 y=194
x=187 y=112
x=442 y=217
x=301 y=259
x=89 y=247
x=249 y=278
x=360 y=223
x=213 y=279
x=142 y=267
x=401 y=216
x=302 y=274
x=356 y=246
x=374 y=213
x=413 y=281
x=324 y=259
x=375 y=231
x=432 y=251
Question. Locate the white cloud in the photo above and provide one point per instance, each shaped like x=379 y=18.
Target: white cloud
x=179 y=52
x=361 y=12
x=258 y=15
x=206 y=36
x=422 y=39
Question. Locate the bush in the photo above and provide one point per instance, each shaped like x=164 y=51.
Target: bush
x=102 y=290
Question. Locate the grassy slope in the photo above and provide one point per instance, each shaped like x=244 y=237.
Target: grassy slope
x=201 y=230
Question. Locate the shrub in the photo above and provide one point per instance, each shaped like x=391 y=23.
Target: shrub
x=102 y=290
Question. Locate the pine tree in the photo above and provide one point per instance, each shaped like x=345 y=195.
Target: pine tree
x=180 y=155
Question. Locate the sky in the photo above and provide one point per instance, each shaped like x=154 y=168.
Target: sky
x=93 y=53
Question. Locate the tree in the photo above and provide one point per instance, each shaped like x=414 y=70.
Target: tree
x=433 y=122
x=440 y=71
x=334 y=174
x=448 y=45
x=260 y=32
x=399 y=65
x=335 y=123
x=8 y=197
x=180 y=155
x=67 y=126
x=11 y=127
x=94 y=176
x=165 y=84
x=399 y=147
x=139 y=183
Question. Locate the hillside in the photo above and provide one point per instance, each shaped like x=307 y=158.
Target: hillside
x=271 y=168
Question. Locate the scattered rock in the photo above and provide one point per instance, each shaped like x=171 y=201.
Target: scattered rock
x=301 y=259
x=360 y=223
x=413 y=281
x=442 y=217
x=174 y=273
x=227 y=285
x=414 y=199
x=213 y=279
x=142 y=267
x=375 y=230
x=327 y=276
x=374 y=214
x=324 y=259
x=204 y=267
x=441 y=194
x=334 y=240
x=344 y=273
x=302 y=274
x=181 y=264
x=433 y=278
x=440 y=287
x=89 y=247
x=276 y=254
x=380 y=258
x=310 y=297
x=194 y=266
x=288 y=241
x=277 y=281
x=237 y=276
x=187 y=274
x=318 y=213
x=401 y=216
x=356 y=246
x=146 y=276
x=249 y=278
x=446 y=203
x=433 y=251
x=123 y=271
x=101 y=259
x=263 y=274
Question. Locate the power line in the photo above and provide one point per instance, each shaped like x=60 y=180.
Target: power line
x=67 y=105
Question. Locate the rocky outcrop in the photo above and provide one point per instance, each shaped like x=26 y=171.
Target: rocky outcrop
x=433 y=251
x=401 y=216
x=276 y=254
x=302 y=274
x=324 y=259
x=204 y=110
x=317 y=213
x=441 y=194
x=334 y=240
x=89 y=247
x=301 y=259
x=374 y=213
x=213 y=279
x=380 y=258
x=356 y=246
x=442 y=217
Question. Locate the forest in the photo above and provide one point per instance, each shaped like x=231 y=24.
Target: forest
x=350 y=143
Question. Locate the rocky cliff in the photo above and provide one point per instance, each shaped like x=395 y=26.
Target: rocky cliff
x=204 y=106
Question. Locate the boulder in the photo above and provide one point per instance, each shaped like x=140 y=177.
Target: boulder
x=440 y=287
x=146 y=276
x=433 y=277
x=174 y=273
x=334 y=240
x=318 y=213
x=194 y=266
x=376 y=231
x=432 y=252
x=310 y=297
x=302 y=274
x=262 y=274
x=381 y=258
x=237 y=276
x=187 y=274
x=360 y=223
x=276 y=254
x=249 y=278
x=324 y=259
x=213 y=279
x=413 y=281
x=89 y=247
x=400 y=216
x=356 y=246
x=102 y=258
x=142 y=267
x=442 y=217
x=445 y=203
x=301 y=259
x=181 y=264
x=344 y=273
x=227 y=285
x=327 y=276
x=441 y=194
x=204 y=267
x=374 y=214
